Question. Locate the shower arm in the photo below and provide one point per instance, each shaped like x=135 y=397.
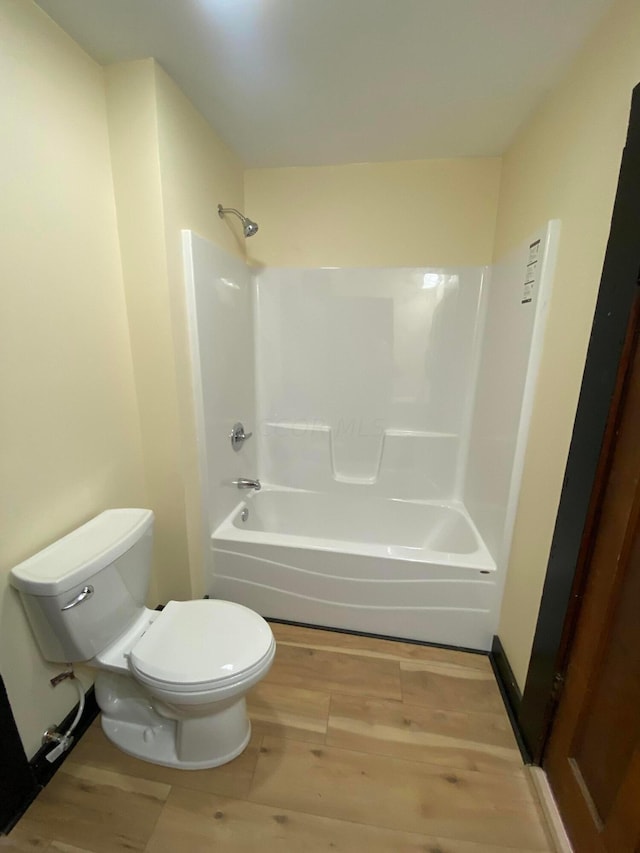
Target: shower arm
x=222 y=210
x=248 y=225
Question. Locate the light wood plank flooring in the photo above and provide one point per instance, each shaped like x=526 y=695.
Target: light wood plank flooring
x=359 y=746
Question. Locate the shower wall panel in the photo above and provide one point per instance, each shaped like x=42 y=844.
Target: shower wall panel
x=219 y=296
x=365 y=377
x=518 y=297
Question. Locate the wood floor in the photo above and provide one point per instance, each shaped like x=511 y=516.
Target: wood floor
x=358 y=746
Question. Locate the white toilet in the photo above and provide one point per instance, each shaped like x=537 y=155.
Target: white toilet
x=171 y=684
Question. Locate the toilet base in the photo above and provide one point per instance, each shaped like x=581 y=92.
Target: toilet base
x=153 y=731
x=157 y=743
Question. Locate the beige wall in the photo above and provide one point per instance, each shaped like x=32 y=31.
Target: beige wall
x=69 y=432
x=564 y=164
x=414 y=213
x=133 y=128
x=197 y=171
x=170 y=171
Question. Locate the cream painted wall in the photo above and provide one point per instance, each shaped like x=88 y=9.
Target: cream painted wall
x=197 y=171
x=170 y=171
x=414 y=213
x=69 y=428
x=564 y=164
x=133 y=130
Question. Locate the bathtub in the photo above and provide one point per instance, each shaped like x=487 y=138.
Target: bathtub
x=417 y=570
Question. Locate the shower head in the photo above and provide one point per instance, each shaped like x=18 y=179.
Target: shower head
x=249 y=227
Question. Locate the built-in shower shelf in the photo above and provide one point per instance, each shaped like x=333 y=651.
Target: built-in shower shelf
x=392 y=462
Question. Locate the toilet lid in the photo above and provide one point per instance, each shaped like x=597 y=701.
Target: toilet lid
x=196 y=642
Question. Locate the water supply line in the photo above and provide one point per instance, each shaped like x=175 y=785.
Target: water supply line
x=52 y=735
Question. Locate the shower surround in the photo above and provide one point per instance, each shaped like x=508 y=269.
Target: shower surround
x=362 y=388
x=355 y=374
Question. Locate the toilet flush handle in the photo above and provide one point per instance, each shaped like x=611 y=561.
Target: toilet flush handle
x=85 y=593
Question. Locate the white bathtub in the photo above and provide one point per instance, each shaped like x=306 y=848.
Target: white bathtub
x=400 y=568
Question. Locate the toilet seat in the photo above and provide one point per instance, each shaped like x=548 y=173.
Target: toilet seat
x=197 y=646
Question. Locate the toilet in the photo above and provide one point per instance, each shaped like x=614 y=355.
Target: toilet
x=171 y=684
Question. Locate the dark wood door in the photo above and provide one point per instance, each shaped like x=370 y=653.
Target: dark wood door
x=593 y=756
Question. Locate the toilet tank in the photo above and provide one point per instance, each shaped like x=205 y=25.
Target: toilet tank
x=102 y=570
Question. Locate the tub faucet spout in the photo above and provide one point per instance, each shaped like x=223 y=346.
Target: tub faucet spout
x=243 y=483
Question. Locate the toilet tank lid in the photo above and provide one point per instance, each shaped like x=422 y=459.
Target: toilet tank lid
x=81 y=553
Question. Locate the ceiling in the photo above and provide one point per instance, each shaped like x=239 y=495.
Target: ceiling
x=314 y=82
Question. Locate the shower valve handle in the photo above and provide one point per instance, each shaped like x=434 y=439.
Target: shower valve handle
x=239 y=436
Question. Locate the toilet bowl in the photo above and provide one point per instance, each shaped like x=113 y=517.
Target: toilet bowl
x=171 y=684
